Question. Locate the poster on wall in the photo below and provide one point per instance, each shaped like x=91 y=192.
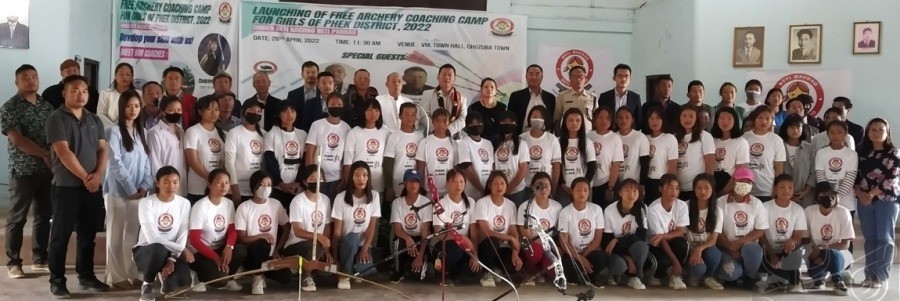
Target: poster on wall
x=14 y=32
x=558 y=60
x=822 y=85
x=277 y=38
x=197 y=36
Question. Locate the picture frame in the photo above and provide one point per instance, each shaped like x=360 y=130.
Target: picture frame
x=866 y=37
x=748 y=48
x=805 y=44
x=14 y=29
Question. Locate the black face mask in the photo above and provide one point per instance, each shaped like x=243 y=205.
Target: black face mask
x=312 y=187
x=252 y=118
x=475 y=130
x=173 y=118
x=827 y=201
x=507 y=129
x=335 y=111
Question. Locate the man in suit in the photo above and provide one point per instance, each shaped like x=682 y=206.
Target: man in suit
x=855 y=130
x=13 y=34
x=620 y=96
x=298 y=97
x=807 y=50
x=867 y=41
x=315 y=108
x=521 y=102
x=261 y=84
x=749 y=54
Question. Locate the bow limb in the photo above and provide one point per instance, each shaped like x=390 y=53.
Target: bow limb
x=496 y=252
x=489 y=270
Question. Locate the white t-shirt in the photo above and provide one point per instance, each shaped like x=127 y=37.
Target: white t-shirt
x=546 y=217
x=166 y=223
x=690 y=158
x=208 y=145
x=508 y=163
x=287 y=145
x=741 y=218
x=730 y=153
x=310 y=218
x=542 y=153
x=457 y=213
x=662 y=221
x=576 y=162
x=835 y=227
x=666 y=146
x=608 y=149
x=765 y=150
x=783 y=222
x=634 y=146
x=212 y=221
x=402 y=214
x=247 y=148
x=499 y=218
x=263 y=218
x=368 y=145
x=835 y=164
x=696 y=239
x=581 y=225
x=357 y=217
x=620 y=225
x=439 y=156
x=332 y=138
x=402 y=147
x=481 y=155
x=166 y=150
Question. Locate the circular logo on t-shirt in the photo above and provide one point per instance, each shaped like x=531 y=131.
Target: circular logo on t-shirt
x=219 y=223
x=317 y=219
x=333 y=140
x=671 y=225
x=535 y=152
x=372 y=146
x=411 y=149
x=598 y=147
x=571 y=153
x=442 y=154
x=292 y=148
x=740 y=219
x=701 y=224
x=827 y=232
x=682 y=148
x=584 y=227
x=265 y=223
x=214 y=145
x=503 y=154
x=652 y=150
x=781 y=225
x=626 y=228
x=359 y=215
x=457 y=217
x=483 y=154
x=625 y=150
x=757 y=149
x=545 y=224
x=720 y=153
x=835 y=164
x=499 y=223
x=410 y=222
x=164 y=222
x=256 y=147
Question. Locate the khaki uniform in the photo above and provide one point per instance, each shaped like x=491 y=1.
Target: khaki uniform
x=586 y=101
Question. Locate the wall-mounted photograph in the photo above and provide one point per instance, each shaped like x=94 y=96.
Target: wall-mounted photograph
x=866 y=37
x=14 y=29
x=749 y=45
x=805 y=44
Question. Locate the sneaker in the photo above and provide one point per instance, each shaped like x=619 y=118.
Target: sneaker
x=40 y=267
x=195 y=282
x=540 y=279
x=713 y=284
x=59 y=291
x=796 y=289
x=840 y=288
x=147 y=292
x=396 y=277
x=693 y=282
x=611 y=281
x=818 y=285
x=344 y=283
x=93 y=284
x=877 y=284
x=257 y=288
x=447 y=283
x=635 y=283
x=164 y=286
x=867 y=283
x=488 y=281
x=655 y=281
x=357 y=280
x=675 y=282
x=232 y=286
x=529 y=282
x=847 y=277
x=15 y=272
x=309 y=285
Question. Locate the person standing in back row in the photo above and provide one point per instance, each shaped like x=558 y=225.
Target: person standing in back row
x=576 y=97
x=523 y=101
x=620 y=96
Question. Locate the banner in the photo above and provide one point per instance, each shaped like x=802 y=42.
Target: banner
x=197 y=36
x=557 y=61
x=822 y=85
x=278 y=37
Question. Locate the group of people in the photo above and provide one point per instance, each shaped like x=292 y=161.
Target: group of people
x=191 y=190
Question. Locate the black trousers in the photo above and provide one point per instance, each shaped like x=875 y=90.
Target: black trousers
x=206 y=267
x=651 y=191
x=679 y=246
x=284 y=198
x=74 y=210
x=151 y=259
x=454 y=259
x=25 y=192
x=598 y=259
x=598 y=195
x=193 y=198
x=257 y=254
x=404 y=260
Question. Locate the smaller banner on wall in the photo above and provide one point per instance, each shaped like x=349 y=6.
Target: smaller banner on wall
x=556 y=62
x=822 y=85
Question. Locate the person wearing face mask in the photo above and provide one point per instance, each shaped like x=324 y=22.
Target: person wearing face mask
x=257 y=223
x=310 y=215
x=330 y=134
x=830 y=234
x=753 y=89
x=165 y=140
x=512 y=157
x=542 y=212
x=523 y=101
x=244 y=146
x=476 y=155
x=490 y=109
x=543 y=149
x=746 y=221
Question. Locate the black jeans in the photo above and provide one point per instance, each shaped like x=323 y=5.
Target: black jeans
x=25 y=192
x=598 y=195
x=194 y=198
x=651 y=191
x=574 y=271
x=404 y=260
x=257 y=254
x=74 y=210
x=151 y=259
x=679 y=246
x=206 y=267
x=283 y=197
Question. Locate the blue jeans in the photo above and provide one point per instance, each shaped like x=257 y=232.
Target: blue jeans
x=347 y=252
x=878 y=221
x=637 y=251
x=832 y=262
x=747 y=266
x=790 y=267
x=712 y=258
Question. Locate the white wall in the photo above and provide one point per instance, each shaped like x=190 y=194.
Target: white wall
x=664 y=43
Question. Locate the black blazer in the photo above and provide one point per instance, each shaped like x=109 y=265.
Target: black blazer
x=632 y=101
x=518 y=103
x=298 y=99
x=856 y=131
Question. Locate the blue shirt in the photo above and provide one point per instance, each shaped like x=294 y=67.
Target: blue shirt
x=128 y=171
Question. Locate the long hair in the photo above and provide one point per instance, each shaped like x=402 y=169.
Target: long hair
x=780 y=107
x=658 y=111
x=696 y=130
x=623 y=110
x=548 y=120
x=118 y=67
x=349 y=189
x=494 y=174
x=694 y=207
x=735 y=131
x=205 y=104
x=127 y=140
x=637 y=210
x=441 y=112
x=867 y=147
x=371 y=103
x=510 y=116
x=793 y=120
x=564 y=135
x=456 y=172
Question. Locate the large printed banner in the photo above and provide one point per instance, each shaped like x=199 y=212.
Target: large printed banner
x=277 y=38
x=822 y=85
x=195 y=35
x=557 y=61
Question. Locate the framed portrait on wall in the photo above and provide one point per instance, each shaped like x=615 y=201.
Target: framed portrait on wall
x=749 y=46
x=805 y=44
x=14 y=32
x=866 y=37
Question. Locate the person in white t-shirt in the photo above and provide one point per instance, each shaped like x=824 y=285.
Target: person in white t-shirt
x=837 y=164
x=732 y=150
x=401 y=150
x=411 y=216
x=283 y=158
x=511 y=157
x=543 y=149
x=579 y=158
x=258 y=222
x=212 y=234
x=244 y=147
x=454 y=253
x=663 y=154
x=203 y=149
x=745 y=222
x=696 y=150
x=667 y=219
x=330 y=134
x=783 y=240
x=801 y=157
x=495 y=216
x=165 y=140
x=310 y=215
x=367 y=143
x=625 y=234
x=160 y=250
x=476 y=155
x=355 y=217
x=704 y=228
x=437 y=155
x=608 y=149
x=830 y=233
x=537 y=214
x=822 y=140
x=635 y=147
x=580 y=232
x=767 y=152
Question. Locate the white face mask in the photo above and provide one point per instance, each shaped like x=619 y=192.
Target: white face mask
x=741 y=188
x=754 y=94
x=263 y=192
x=537 y=123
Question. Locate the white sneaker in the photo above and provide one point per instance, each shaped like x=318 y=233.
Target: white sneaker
x=675 y=282
x=877 y=284
x=258 y=286
x=309 y=285
x=488 y=281
x=611 y=281
x=711 y=283
x=195 y=281
x=635 y=283
x=655 y=281
x=540 y=279
x=232 y=286
x=344 y=283
x=796 y=289
x=530 y=282
x=867 y=283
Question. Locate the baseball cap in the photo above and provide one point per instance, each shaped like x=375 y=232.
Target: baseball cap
x=68 y=63
x=742 y=173
x=411 y=174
